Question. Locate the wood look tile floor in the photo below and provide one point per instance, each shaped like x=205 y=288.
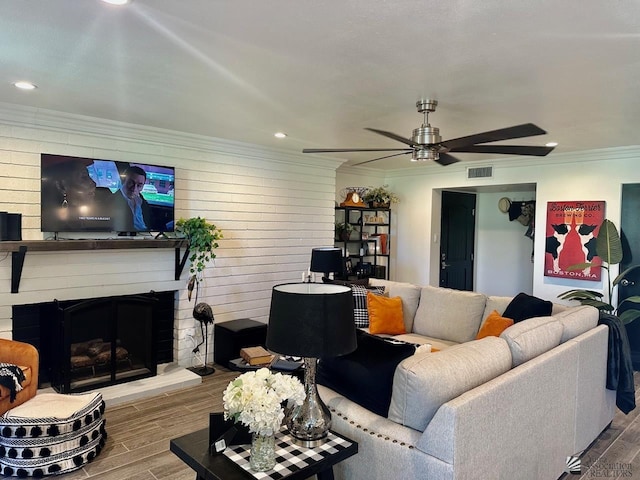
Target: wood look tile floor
x=139 y=432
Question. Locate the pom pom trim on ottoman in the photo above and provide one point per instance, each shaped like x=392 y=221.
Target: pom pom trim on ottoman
x=36 y=446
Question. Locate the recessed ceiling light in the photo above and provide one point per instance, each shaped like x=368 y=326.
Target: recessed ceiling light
x=280 y=135
x=551 y=144
x=117 y=2
x=25 y=85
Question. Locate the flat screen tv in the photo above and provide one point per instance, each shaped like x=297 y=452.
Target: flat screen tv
x=84 y=194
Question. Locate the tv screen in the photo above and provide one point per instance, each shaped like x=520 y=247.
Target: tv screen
x=84 y=194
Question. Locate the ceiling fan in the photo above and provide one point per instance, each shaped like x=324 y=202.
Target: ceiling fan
x=426 y=143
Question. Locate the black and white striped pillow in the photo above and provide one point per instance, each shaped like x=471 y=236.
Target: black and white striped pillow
x=360 y=311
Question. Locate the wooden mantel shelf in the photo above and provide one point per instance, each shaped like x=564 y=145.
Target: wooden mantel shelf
x=19 y=249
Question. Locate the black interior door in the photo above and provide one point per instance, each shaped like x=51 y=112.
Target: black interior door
x=457 y=237
x=630 y=233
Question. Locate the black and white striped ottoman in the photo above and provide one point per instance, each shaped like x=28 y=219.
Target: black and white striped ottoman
x=51 y=434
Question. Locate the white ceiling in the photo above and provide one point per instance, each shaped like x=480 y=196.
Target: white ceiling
x=321 y=71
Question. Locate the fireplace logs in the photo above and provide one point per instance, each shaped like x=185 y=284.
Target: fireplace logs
x=94 y=353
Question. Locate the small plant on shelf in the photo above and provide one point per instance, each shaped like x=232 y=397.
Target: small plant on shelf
x=203 y=240
x=343 y=230
x=380 y=197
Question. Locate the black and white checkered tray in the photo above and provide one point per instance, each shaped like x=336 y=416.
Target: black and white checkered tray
x=290 y=458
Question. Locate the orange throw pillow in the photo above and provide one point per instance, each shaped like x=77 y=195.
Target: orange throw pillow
x=385 y=315
x=494 y=325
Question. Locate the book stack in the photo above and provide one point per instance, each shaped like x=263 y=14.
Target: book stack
x=256 y=355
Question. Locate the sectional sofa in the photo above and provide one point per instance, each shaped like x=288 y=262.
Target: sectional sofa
x=515 y=405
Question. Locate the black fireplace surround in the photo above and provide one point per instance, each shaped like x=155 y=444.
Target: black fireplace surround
x=89 y=344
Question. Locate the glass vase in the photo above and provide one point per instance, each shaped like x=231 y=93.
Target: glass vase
x=263 y=452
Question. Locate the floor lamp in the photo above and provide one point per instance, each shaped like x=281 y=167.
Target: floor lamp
x=311 y=320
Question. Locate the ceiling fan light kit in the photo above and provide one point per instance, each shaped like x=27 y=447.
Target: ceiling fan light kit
x=426 y=143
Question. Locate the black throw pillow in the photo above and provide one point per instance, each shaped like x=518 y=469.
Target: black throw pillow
x=365 y=376
x=525 y=306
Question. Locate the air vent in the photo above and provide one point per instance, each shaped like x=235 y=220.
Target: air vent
x=480 y=172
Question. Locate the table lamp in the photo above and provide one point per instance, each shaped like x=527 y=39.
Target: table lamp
x=326 y=260
x=311 y=320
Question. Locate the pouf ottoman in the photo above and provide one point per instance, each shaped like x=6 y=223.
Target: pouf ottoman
x=51 y=434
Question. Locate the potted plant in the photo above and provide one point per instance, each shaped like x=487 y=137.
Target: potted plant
x=380 y=197
x=609 y=249
x=343 y=230
x=203 y=240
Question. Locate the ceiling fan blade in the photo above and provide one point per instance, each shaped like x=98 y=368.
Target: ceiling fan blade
x=446 y=159
x=380 y=158
x=336 y=150
x=517 y=131
x=392 y=135
x=506 y=149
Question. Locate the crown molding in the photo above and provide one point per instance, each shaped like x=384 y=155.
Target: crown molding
x=51 y=120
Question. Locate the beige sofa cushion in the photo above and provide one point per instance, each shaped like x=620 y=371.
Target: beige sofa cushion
x=425 y=381
x=529 y=338
x=449 y=314
x=577 y=320
x=495 y=303
x=408 y=292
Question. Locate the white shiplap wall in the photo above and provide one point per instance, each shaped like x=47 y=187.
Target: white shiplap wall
x=273 y=207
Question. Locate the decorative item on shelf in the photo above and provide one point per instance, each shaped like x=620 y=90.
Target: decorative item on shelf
x=380 y=197
x=353 y=197
x=326 y=260
x=311 y=320
x=382 y=245
x=203 y=240
x=255 y=399
x=343 y=231
x=375 y=219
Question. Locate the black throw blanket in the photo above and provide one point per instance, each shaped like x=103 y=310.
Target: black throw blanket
x=619 y=366
x=11 y=376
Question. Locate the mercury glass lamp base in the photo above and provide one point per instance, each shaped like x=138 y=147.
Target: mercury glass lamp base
x=309 y=424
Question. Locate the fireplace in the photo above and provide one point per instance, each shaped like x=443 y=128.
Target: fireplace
x=89 y=344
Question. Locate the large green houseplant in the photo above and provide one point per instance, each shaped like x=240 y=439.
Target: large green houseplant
x=203 y=240
x=609 y=249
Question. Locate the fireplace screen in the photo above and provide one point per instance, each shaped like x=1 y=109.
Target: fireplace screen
x=103 y=342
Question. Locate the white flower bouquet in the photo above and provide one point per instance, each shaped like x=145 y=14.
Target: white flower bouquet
x=256 y=399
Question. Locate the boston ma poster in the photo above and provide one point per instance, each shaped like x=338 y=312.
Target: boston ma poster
x=572 y=228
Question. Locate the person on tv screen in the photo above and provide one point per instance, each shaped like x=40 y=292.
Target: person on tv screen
x=70 y=199
x=131 y=211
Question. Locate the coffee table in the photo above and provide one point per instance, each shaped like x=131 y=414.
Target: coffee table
x=293 y=462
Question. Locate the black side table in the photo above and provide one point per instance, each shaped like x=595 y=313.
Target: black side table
x=293 y=462
x=229 y=337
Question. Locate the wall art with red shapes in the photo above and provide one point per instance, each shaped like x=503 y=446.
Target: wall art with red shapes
x=571 y=231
